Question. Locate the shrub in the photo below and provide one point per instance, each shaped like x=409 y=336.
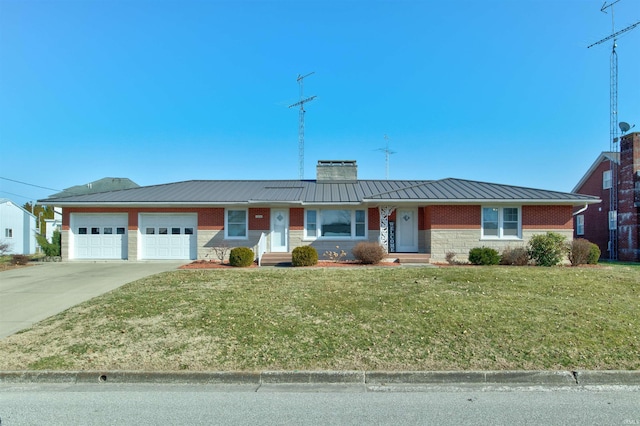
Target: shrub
x=4 y=248
x=52 y=248
x=450 y=257
x=241 y=256
x=579 y=251
x=335 y=256
x=547 y=249
x=304 y=256
x=594 y=254
x=19 y=259
x=369 y=253
x=484 y=256
x=516 y=256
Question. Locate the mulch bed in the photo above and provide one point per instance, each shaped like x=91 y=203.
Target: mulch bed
x=209 y=264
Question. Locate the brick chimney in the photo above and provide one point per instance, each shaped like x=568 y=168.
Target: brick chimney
x=336 y=171
x=629 y=198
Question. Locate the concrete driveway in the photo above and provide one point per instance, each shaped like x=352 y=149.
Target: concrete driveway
x=31 y=294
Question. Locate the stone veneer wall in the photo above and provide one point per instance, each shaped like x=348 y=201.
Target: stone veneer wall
x=64 y=250
x=460 y=241
x=132 y=244
x=208 y=239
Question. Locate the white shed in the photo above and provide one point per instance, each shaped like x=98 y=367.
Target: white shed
x=17 y=228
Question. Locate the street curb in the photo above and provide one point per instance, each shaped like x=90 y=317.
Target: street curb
x=369 y=378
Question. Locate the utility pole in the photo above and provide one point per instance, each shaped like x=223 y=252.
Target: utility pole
x=613 y=127
x=301 y=103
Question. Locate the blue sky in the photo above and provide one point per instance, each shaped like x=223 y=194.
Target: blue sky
x=501 y=91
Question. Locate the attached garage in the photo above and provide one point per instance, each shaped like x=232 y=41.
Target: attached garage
x=99 y=236
x=168 y=236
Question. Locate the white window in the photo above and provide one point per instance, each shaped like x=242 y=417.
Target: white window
x=340 y=224
x=580 y=224
x=8 y=232
x=606 y=179
x=501 y=222
x=613 y=220
x=236 y=224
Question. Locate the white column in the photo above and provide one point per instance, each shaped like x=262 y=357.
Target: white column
x=385 y=212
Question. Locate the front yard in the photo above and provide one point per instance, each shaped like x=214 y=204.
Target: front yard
x=453 y=318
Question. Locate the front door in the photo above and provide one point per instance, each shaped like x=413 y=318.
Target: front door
x=406 y=231
x=280 y=230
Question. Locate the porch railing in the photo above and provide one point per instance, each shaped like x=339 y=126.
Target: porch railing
x=261 y=248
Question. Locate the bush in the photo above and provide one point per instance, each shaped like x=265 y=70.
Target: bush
x=241 y=256
x=517 y=256
x=369 y=253
x=547 y=249
x=594 y=254
x=19 y=259
x=579 y=251
x=484 y=256
x=52 y=248
x=304 y=256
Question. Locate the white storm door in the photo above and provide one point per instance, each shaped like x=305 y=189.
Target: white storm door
x=406 y=231
x=280 y=230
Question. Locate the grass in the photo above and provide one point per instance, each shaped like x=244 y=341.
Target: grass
x=452 y=318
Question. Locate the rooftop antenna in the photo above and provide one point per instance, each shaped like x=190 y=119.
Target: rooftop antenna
x=613 y=127
x=387 y=152
x=301 y=103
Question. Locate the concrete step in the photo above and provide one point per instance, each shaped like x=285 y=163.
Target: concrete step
x=276 y=259
x=411 y=257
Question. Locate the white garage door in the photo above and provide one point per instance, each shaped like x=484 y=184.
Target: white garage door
x=168 y=236
x=99 y=236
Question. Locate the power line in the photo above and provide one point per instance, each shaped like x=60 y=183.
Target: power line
x=30 y=184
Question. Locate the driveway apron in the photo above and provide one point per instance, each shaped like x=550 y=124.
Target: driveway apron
x=33 y=293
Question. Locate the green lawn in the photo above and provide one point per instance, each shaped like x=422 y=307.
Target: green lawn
x=450 y=318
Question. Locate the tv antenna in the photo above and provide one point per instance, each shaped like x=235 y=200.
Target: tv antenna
x=387 y=153
x=301 y=103
x=613 y=126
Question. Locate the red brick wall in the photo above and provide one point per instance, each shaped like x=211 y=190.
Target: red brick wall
x=453 y=217
x=547 y=217
x=596 y=217
x=260 y=223
x=296 y=219
x=374 y=219
x=208 y=218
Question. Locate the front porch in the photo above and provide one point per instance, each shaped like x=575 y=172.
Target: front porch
x=284 y=259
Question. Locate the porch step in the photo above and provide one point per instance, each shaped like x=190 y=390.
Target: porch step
x=411 y=257
x=276 y=259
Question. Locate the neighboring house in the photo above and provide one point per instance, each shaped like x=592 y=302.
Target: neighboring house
x=17 y=228
x=596 y=222
x=52 y=225
x=101 y=185
x=185 y=220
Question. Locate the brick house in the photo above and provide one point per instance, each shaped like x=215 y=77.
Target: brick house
x=185 y=220
x=595 y=223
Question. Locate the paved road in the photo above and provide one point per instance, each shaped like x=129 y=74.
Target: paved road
x=101 y=404
x=29 y=295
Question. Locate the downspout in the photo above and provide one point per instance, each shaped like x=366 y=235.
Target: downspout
x=586 y=206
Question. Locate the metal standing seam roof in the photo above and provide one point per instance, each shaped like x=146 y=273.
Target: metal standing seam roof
x=313 y=192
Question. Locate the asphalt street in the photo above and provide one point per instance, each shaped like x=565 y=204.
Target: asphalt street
x=100 y=404
x=33 y=293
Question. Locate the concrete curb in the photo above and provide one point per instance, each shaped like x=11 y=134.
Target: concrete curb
x=369 y=378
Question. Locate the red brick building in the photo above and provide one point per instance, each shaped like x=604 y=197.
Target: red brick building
x=596 y=222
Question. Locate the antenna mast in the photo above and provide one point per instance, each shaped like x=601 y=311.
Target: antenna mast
x=613 y=127
x=301 y=103
x=387 y=152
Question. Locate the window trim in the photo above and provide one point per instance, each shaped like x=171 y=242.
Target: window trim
x=607 y=182
x=318 y=223
x=580 y=224
x=501 y=222
x=226 y=225
x=8 y=232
